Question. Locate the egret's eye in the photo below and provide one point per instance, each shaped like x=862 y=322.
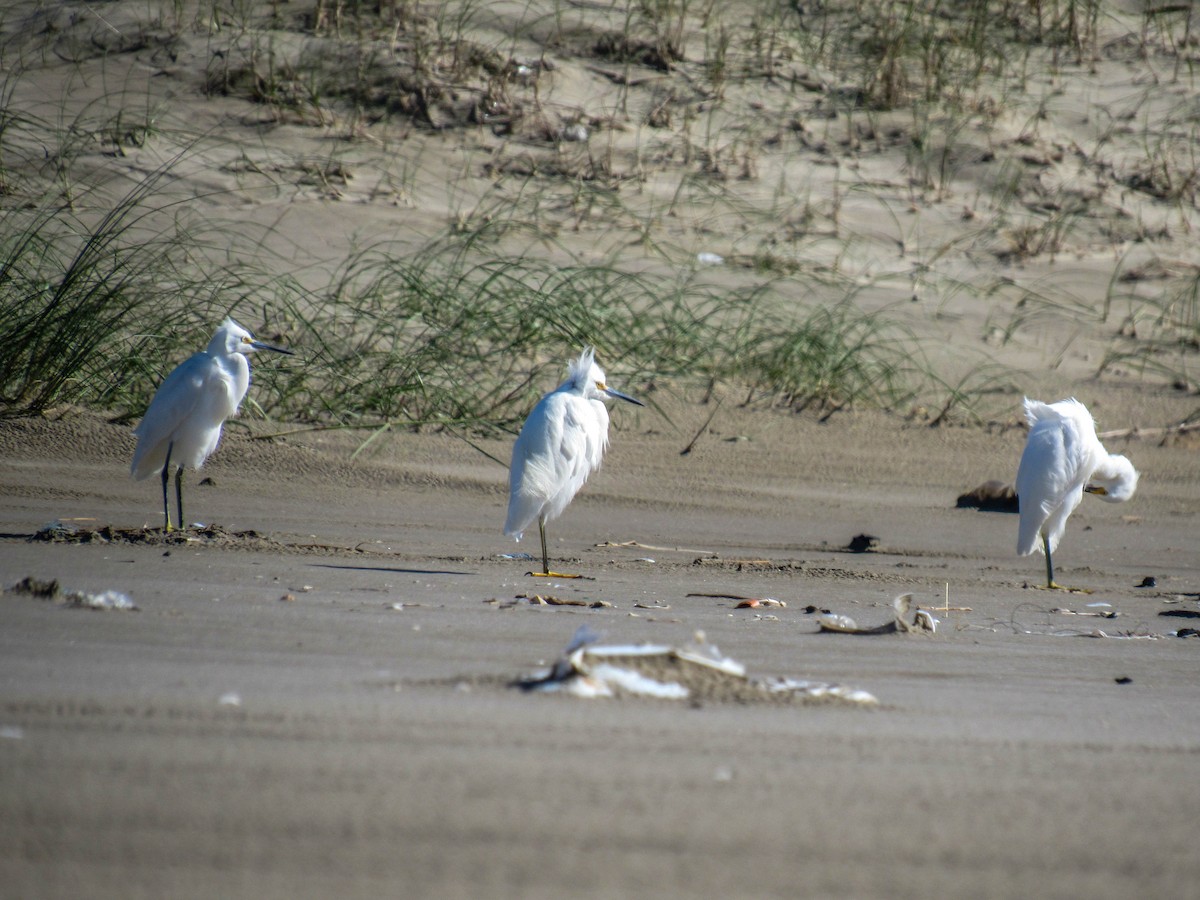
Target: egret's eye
x=247 y=340
x=601 y=386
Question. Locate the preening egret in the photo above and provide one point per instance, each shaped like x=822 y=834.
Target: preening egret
x=560 y=445
x=1063 y=459
x=182 y=426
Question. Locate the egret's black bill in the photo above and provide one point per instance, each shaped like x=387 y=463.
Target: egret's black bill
x=259 y=345
x=621 y=396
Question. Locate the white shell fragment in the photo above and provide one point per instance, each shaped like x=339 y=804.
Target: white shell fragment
x=105 y=600
x=819 y=689
x=837 y=622
x=697 y=671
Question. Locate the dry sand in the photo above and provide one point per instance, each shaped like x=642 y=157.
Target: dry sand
x=223 y=741
x=322 y=709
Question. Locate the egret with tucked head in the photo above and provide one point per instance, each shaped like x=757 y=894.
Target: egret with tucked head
x=560 y=445
x=1063 y=460
x=182 y=426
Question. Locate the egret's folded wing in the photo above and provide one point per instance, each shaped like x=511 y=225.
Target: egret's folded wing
x=1050 y=480
x=175 y=400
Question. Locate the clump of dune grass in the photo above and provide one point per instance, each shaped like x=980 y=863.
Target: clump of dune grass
x=443 y=340
x=897 y=52
x=72 y=290
x=833 y=357
x=1160 y=337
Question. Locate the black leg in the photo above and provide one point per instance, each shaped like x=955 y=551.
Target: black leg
x=166 y=474
x=1049 y=563
x=545 y=558
x=179 y=496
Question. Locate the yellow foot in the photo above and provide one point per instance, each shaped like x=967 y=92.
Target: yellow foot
x=1053 y=586
x=553 y=575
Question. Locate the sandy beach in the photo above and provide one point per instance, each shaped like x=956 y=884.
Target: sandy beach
x=328 y=713
x=315 y=695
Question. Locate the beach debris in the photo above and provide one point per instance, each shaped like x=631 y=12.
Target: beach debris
x=1114 y=635
x=1188 y=632
x=863 y=543
x=946 y=608
x=546 y=600
x=11 y=732
x=756 y=602
x=1103 y=613
x=51 y=590
x=744 y=602
x=1123 y=679
x=230 y=698
x=192 y=536
x=710 y=259
x=908 y=619
x=733 y=565
x=1181 y=613
x=104 y=601
x=36 y=587
x=642 y=546
x=54 y=531
x=697 y=671
x=991 y=496
x=1148 y=582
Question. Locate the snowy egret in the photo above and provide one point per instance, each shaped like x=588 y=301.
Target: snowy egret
x=182 y=426
x=560 y=445
x=1062 y=460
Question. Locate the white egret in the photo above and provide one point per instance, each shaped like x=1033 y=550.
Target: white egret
x=182 y=425
x=560 y=445
x=1063 y=459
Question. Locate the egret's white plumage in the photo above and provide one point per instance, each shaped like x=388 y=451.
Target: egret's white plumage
x=182 y=425
x=1062 y=460
x=560 y=445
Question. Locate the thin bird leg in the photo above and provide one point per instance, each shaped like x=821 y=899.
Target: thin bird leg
x=166 y=470
x=546 y=573
x=179 y=496
x=1049 y=564
x=1051 y=584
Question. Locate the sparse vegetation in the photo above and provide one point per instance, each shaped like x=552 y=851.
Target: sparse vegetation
x=814 y=155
